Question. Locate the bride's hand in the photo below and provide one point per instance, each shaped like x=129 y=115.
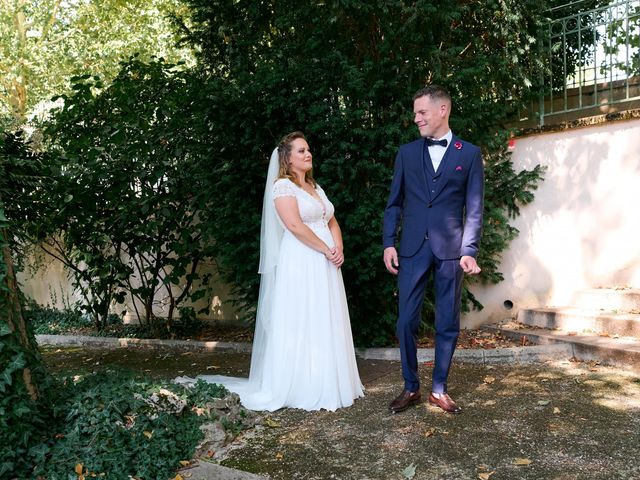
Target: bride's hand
x=336 y=256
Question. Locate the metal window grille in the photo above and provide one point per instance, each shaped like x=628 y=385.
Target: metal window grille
x=593 y=52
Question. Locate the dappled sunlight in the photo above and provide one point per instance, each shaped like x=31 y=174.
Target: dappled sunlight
x=562 y=416
x=602 y=381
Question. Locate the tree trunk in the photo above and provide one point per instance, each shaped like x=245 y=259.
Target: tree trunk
x=13 y=315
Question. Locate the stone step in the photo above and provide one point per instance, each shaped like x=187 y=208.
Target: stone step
x=580 y=320
x=618 y=300
x=622 y=352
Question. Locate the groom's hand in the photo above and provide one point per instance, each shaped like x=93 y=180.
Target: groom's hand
x=469 y=265
x=391 y=259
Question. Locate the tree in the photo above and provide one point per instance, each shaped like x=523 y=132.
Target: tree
x=44 y=43
x=344 y=72
x=22 y=375
x=125 y=213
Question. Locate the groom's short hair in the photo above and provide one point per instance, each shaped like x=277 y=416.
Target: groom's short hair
x=433 y=91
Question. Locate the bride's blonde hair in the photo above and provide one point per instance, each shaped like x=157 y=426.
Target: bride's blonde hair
x=284 y=155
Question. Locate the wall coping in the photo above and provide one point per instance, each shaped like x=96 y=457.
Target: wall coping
x=632 y=114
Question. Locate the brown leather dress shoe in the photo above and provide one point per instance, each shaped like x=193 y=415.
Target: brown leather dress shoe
x=445 y=402
x=404 y=401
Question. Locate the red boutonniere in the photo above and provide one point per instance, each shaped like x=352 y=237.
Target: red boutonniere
x=458 y=145
x=458 y=168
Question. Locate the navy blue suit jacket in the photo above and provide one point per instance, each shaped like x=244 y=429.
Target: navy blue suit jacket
x=451 y=215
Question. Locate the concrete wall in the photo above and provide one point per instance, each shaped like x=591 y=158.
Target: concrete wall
x=47 y=282
x=583 y=228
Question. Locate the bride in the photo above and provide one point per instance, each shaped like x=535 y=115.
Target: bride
x=303 y=355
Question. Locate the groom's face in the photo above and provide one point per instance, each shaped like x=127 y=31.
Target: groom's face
x=430 y=116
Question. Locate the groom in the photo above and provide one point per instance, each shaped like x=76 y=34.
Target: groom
x=437 y=196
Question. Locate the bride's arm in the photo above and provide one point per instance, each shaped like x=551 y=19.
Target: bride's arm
x=336 y=233
x=287 y=208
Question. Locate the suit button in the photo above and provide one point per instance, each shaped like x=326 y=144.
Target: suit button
x=433 y=191
x=434 y=180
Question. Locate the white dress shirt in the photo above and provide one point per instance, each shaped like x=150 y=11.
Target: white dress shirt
x=436 y=152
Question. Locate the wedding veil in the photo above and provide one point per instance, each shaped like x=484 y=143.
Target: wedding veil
x=270 y=237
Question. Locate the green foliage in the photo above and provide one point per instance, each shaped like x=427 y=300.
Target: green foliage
x=44 y=43
x=126 y=213
x=49 y=321
x=119 y=425
x=23 y=379
x=22 y=418
x=24 y=173
x=345 y=72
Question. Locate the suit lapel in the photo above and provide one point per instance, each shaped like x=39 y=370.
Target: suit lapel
x=425 y=162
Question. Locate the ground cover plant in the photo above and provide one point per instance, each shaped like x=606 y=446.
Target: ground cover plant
x=120 y=425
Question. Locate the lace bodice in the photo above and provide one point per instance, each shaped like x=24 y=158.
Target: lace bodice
x=314 y=212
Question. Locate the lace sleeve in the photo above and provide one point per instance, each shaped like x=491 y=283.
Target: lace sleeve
x=283 y=188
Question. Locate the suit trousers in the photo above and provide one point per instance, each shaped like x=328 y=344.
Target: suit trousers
x=412 y=278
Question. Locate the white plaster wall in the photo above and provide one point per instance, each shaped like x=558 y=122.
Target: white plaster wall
x=46 y=281
x=583 y=228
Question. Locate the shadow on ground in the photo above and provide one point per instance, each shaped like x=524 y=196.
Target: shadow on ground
x=558 y=420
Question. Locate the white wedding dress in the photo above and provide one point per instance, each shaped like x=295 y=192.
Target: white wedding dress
x=306 y=357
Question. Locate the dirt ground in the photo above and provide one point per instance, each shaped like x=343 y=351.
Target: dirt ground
x=559 y=420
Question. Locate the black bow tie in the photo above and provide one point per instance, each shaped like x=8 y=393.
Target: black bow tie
x=431 y=141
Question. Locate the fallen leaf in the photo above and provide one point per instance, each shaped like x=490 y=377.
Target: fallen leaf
x=199 y=411
x=409 y=472
x=271 y=423
x=147 y=434
x=556 y=410
x=489 y=379
x=79 y=468
x=544 y=402
x=178 y=477
x=279 y=456
x=212 y=367
x=522 y=461
x=209 y=454
x=430 y=432
x=185 y=463
x=485 y=475
x=489 y=402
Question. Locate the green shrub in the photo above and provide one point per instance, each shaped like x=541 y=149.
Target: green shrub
x=106 y=422
x=50 y=321
x=345 y=73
